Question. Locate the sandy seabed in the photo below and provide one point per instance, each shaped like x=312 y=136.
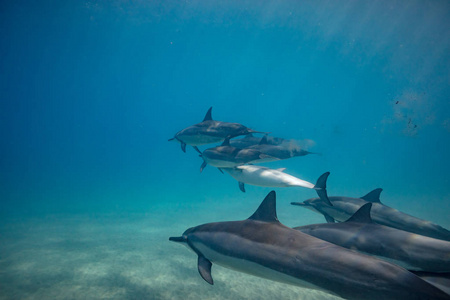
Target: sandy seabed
x=110 y=256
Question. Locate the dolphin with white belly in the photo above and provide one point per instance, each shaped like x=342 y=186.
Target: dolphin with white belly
x=409 y=250
x=262 y=246
x=262 y=176
x=344 y=207
x=209 y=131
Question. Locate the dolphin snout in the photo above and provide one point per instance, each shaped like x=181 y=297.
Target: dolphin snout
x=178 y=239
x=299 y=203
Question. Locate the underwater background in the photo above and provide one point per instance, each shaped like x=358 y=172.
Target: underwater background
x=91 y=91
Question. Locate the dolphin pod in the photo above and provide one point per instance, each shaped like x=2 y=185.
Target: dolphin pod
x=406 y=249
x=344 y=207
x=343 y=258
x=262 y=246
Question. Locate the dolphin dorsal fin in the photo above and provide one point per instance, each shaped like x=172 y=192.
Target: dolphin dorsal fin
x=267 y=210
x=208 y=115
x=226 y=142
x=362 y=215
x=373 y=196
x=263 y=140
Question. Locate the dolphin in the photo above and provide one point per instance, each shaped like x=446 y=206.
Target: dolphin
x=284 y=150
x=250 y=140
x=409 y=250
x=226 y=156
x=344 y=207
x=209 y=131
x=262 y=246
x=262 y=176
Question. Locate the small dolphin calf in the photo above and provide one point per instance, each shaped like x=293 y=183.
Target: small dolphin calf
x=262 y=246
x=209 y=131
x=344 y=207
x=262 y=176
x=409 y=250
x=226 y=156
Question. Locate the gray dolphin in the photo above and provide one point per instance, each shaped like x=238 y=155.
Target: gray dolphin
x=209 y=131
x=344 y=207
x=409 y=250
x=262 y=246
x=226 y=156
x=283 y=150
x=250 y=140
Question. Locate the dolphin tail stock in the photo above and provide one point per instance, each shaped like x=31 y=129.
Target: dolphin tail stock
x=321 y=188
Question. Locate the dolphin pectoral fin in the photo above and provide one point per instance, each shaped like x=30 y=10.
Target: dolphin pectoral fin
x=220 y=170
x=321 y=188
x=169 y=140
x=241 y=186
x=373 y=196
x=329 y=218
x=203 y=166
x=183 y=147
x=204 y=268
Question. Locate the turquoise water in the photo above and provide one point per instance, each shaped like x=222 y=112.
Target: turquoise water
x=91 y=91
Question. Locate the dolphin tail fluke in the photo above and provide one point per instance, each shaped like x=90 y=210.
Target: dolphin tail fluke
x=242 y=186
x=321 y=188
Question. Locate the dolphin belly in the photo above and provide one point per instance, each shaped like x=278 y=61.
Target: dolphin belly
x=253 y=268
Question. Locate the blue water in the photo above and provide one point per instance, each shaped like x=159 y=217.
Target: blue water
x=92 y=90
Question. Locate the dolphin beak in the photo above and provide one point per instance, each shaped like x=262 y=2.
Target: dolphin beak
x=299 y=204
x=178 y=239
